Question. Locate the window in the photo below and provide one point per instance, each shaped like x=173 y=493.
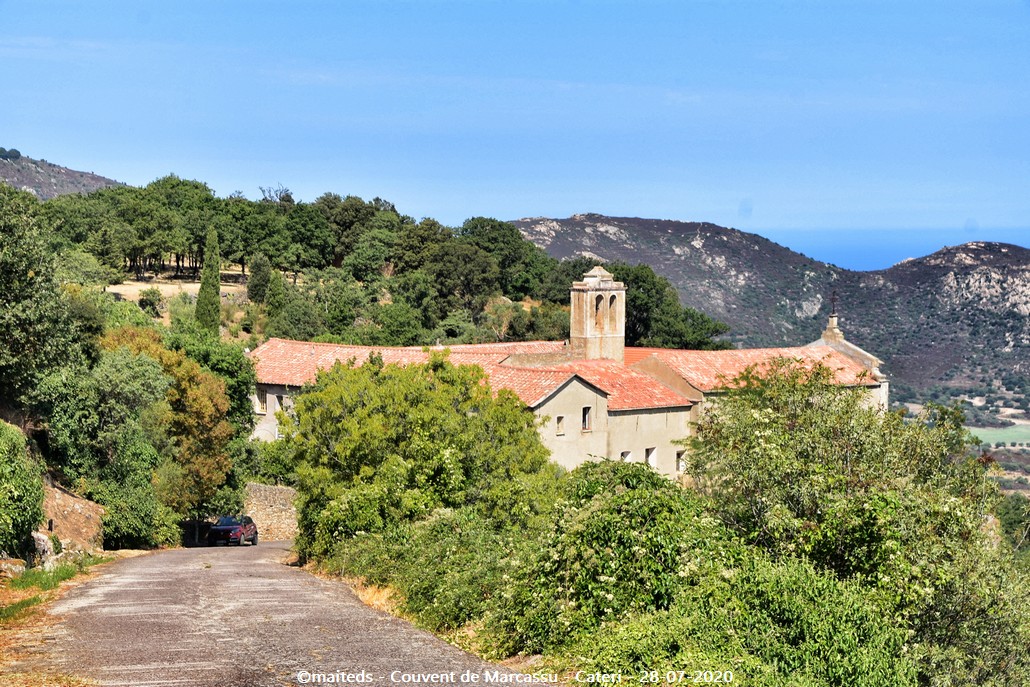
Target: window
x=626 y=456
x=649 y=457
x=279 y=402
x=599 y=314
x=681 y=461
x=262 y=401
x=560 y=425
x=587 y=419
x=613 y=320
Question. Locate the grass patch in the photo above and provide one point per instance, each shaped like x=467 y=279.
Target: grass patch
x=50 y=579
x=10 y=611
x=1018 y=433
x=44 y=579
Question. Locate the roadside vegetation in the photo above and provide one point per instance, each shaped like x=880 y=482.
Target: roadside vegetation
x=823 y=543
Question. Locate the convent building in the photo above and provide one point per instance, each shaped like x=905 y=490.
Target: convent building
x=595 y=397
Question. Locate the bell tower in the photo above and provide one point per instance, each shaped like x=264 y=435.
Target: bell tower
x=598 y=319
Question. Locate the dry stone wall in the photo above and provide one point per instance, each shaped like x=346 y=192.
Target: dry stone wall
x=76 y=521
x=273 y=510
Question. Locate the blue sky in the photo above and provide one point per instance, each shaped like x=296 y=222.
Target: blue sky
x=859 y=133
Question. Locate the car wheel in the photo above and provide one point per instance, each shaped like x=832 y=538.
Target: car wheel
x=254 y=540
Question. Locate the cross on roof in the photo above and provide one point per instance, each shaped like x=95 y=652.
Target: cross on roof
x=833 y=303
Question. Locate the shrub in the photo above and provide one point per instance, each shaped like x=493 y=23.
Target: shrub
x=626 y=541
x=130 y=514
x=770 y=623
x=380 y=445
x=21 y=493
x=447 y=568
x=150 y=301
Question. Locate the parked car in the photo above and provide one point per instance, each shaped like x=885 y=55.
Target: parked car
x=233 y=529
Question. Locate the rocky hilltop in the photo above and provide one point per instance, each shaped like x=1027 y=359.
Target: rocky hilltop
x=46 y=180
x=958 y=318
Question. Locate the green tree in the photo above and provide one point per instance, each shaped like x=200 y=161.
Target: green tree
x=465 y=275
x=36 y=335
x=381 y=444
x=276 y=297
x=208 y=300
x=260 y=274
x=225 y=359
x=197 y=460
x=654 y=316
x=21 y=493
x=522 y=266
x=804 y=467
x=89 y=410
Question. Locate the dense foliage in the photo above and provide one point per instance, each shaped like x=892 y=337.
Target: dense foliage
x=799 y=466
x=826 y=543
x=21 y=493
x=378 y=445
x=147 y=421
x=37 y=330
x=355 y=271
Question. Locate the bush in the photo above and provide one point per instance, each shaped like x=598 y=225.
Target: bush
x=21 y=493
x=626 y=541
x=130 y=515
x=150 y=301
x=770 y=623
x=381 y=445
x=448 y=567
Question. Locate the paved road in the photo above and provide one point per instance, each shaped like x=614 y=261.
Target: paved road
x=234 y=617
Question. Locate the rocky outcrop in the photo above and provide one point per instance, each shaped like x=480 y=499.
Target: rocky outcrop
x=273 y=510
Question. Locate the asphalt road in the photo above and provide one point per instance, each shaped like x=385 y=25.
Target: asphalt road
x=236 y=617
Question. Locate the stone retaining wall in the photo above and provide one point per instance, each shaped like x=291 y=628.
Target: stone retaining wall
x=76 y=521
x=272 y=509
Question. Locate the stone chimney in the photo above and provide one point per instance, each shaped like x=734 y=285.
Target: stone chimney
x=598 y=319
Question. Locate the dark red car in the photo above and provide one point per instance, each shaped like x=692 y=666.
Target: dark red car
x=233 y=529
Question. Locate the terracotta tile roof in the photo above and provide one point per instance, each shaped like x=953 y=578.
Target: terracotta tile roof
x=627 y=389
x=710 y=370
x=533 y=386
x=506 y=348
x=295 y=363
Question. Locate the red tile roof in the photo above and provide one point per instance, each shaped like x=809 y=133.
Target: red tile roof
x=627 y=389
x=532 y=386
x=295 y=363
x=711 y=370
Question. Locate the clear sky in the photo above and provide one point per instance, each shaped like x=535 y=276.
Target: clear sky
x=857 y=132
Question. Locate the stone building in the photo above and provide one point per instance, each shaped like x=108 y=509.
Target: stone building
x=595 y=397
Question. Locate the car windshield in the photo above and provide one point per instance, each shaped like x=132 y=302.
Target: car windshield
x=227 y=522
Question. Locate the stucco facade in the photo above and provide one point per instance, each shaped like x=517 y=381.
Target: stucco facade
x=569 y=437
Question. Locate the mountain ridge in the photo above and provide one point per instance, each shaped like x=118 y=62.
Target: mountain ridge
x=45 y=180
x=957 y=319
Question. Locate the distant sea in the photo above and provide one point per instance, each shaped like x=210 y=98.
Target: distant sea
x=878 y=249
